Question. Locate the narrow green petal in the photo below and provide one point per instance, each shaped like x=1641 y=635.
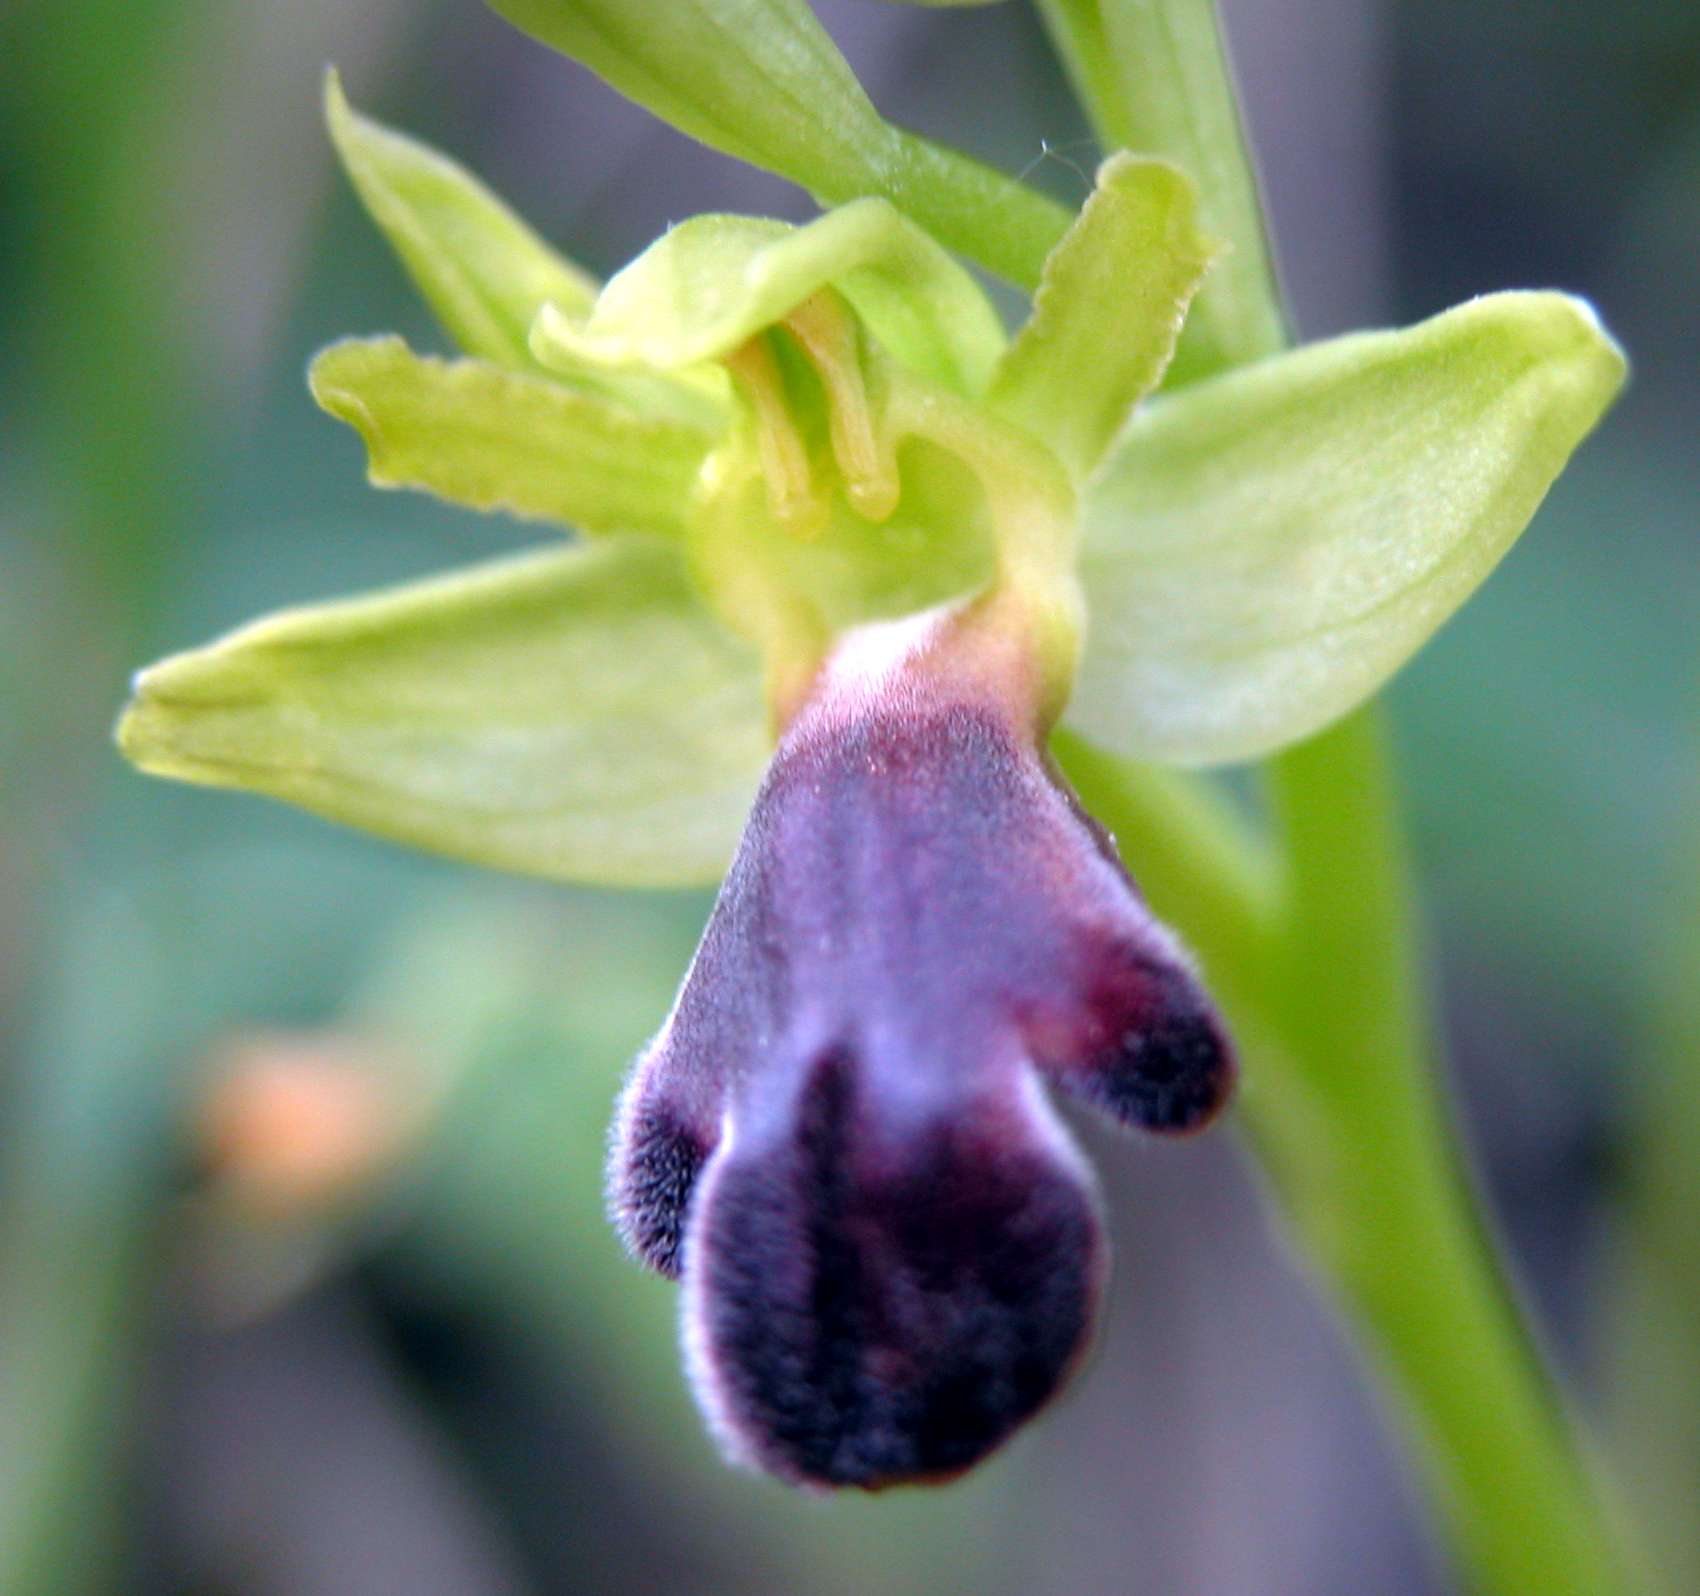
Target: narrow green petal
x=575 y=714
x=492 y=439
x=1263 y=550
x=762 y=81
x=712 y=282
x=481 y=269
x=1152 y=76
x=1108 y=311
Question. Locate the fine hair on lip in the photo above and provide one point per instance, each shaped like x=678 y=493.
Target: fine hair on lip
x=869 y=1322
x=891 y=1250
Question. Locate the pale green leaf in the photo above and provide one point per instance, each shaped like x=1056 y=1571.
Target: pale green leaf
x=761 y=80
x=1263 y=550
x=1108 y=311
x=575 y=714
x=481 y=269
x=492 y=439
x=711 y=283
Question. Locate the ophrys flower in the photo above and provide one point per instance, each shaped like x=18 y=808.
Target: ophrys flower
x=831 y=505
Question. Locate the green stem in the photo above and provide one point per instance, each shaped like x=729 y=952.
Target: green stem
x=1384 y=1202
x=984 y=214
x=1314 y=958
x=1322 y=985
x=1653 y=1324
x=1153 y=78
x=75 y=1290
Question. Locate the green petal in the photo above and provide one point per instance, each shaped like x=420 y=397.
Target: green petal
x=481 y=269
x=762 y=81
x=574 y=714
x=1152 y=76
x=1263 y=550
x=1108 y=311
x=713 y=282
x=493 y=439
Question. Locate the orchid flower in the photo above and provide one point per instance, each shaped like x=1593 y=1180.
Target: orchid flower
x=848 y=555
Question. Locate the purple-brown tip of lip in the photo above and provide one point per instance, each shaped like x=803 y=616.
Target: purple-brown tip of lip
x=1147 y=1046
x=1173 y=1077
x=869 y=1320
x=657 y=1154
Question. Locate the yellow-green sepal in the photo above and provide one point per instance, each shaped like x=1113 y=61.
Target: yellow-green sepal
x=482 y=270
x=575 y=714
x=494 y=439
x=1262 y=550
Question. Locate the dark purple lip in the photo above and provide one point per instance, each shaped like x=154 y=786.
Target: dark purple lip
x=891 y=1249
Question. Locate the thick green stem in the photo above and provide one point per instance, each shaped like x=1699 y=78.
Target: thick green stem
x=1003 y=224
x=1384 y=1203
x=1653 y=1324
x=1344 y=1096
x=1314 y=957
x=65 y=1385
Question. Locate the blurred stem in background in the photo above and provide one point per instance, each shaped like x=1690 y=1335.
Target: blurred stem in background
x=117 y=431
x=1653 y=1324
x=78 y=1211
x=1351 y=1107
x=101 y=128
x=105 y=331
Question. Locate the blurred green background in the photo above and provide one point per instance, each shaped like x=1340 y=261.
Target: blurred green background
x=304 y=1282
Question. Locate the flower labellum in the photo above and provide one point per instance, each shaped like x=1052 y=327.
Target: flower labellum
x=891 y=1249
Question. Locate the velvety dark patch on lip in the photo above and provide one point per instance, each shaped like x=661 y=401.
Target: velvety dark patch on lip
x=656 y=1171
x=1173 y=1078
x=870 y=1322
x=1150 y=1050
